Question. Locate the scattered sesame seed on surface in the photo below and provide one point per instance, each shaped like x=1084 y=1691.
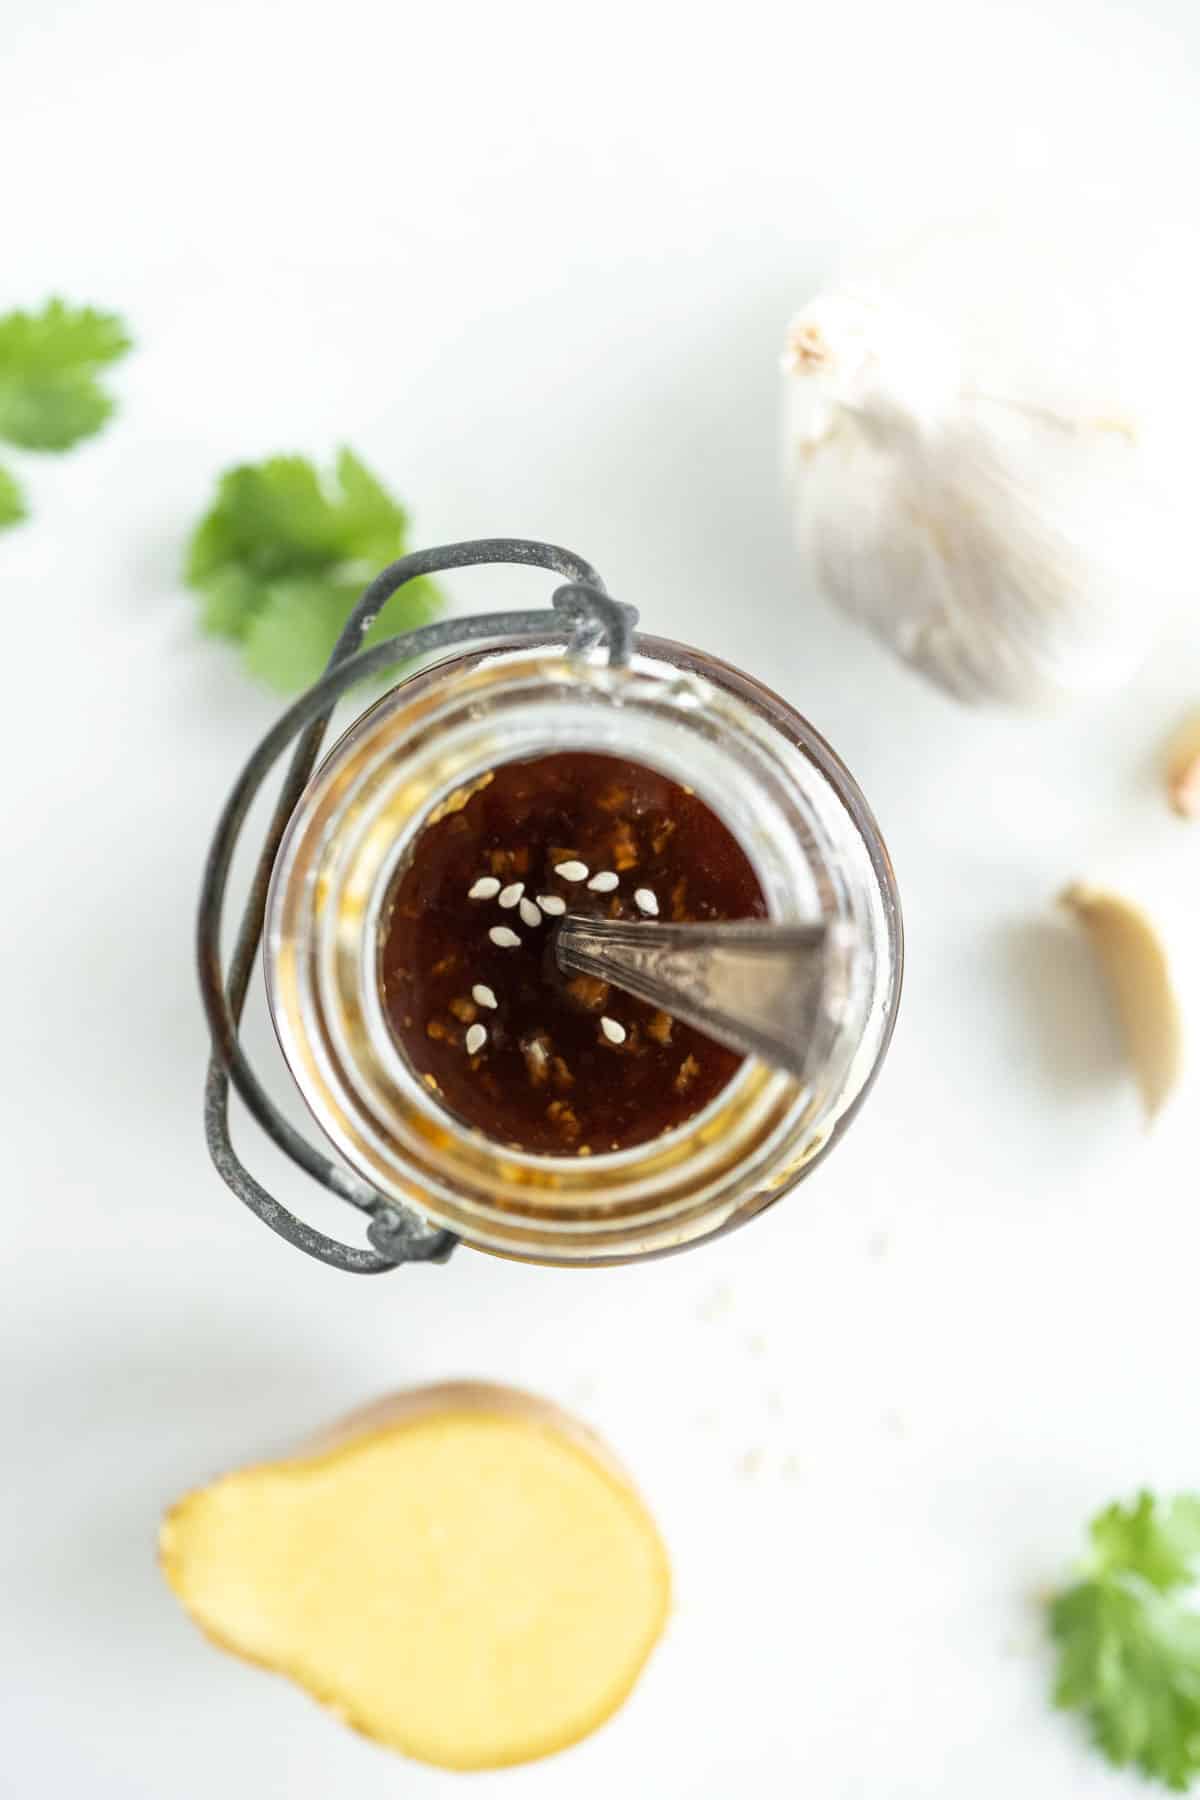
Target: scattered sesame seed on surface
x=553 y=904
x=604 y=882
x=572 y=871
x=512 y=893
x=483 y=996
x=647 y=901
x=530 y=913
x=476 y=1039
x=614 y=1032
x=503 y=938
x=486 y=888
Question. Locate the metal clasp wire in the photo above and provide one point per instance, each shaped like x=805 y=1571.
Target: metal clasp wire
x=396 y=1233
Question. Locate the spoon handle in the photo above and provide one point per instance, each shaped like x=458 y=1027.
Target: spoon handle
x=753 y=986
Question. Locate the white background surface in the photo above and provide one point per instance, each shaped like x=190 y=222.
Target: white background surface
x=534 y=262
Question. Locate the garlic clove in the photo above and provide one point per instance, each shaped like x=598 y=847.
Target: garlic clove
x=1183 y=770
x=1133 y=952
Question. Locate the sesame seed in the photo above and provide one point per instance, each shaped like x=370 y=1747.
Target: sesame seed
x=647 y=901
x=613 y=1032
x=476 y=1039
x=530 y=913
x=512 y=893
x=572 y=871
x=553 y=904
x=537 y=1058
x=503 y=938
x=604 y=882
x=483 y=996
x=485 y=888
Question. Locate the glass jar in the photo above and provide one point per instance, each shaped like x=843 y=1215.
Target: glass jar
x=416 y=754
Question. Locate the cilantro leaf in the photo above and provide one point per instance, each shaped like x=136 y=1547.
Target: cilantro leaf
x=12 y=501
x=283 y=554
x=49 y=395
x=1155 y=1539
x=290 y=637
x=1129 y=1641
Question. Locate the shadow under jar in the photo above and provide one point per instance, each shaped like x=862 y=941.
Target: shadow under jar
x=410 y=963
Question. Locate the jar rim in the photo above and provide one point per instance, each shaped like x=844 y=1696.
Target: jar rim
x=368 y=803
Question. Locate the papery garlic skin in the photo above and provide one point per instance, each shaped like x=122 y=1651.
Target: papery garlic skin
x=1183 y=770
x=972 y=477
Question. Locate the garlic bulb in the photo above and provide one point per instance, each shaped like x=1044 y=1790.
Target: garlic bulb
x=1183 y=769
x=988 y=443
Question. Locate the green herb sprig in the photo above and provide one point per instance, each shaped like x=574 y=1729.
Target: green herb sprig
x=50 y=397
x=285 y=551
x=1128 y=1637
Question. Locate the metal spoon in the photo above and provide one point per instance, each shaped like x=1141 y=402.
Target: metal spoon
x=755 y=987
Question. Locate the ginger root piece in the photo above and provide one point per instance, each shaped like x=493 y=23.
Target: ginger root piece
x=1134 y=956
x=462 y=1573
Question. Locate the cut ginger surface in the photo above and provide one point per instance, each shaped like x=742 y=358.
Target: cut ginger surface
x=463 y=1574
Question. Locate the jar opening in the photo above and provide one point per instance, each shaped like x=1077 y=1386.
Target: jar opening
x=538 y=1061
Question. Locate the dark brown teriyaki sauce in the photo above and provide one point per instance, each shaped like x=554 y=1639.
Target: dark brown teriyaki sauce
x=535 y=1059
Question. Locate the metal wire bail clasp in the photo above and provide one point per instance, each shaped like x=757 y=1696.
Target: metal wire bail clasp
x=397 y=1234
x=598 y=619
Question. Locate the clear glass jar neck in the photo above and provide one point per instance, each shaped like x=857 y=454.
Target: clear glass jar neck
x=416 y=755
